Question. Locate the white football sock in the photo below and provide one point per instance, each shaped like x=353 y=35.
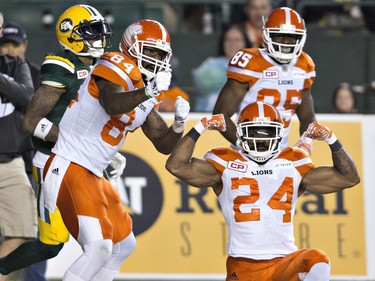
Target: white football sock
x=120 y=252
x=318 y=272
x=95 y=255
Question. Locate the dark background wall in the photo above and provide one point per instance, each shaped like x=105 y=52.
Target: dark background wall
x=339 y=57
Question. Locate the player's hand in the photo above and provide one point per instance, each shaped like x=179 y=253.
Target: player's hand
x=118 y=164
x=318 y=131
x=305 y=144
x=181 y=113
x=215 y=122
x=159 y=83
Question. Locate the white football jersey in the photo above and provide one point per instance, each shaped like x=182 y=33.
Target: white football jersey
x=280 y=85
x=89 y=136
x=258 y=202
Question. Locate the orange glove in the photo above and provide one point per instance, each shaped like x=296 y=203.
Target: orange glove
x=318 y=131
x=216 y=122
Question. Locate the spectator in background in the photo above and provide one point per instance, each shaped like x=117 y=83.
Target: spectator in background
x=343 y=99
x=254 y=11
x=210 y=76
x=14 y=43
x=18 y=218
x=338 y=17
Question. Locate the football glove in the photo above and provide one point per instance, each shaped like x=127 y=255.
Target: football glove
x=118 y=164
x=159 y=83
x=215 y=122
x=305 y=144
x=318 y=131
x=181 y=113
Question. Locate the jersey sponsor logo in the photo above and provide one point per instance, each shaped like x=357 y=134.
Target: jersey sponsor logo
x=262 y=172
x=283 y=165
x=82 y=74
x=270 y=74
x=141 y=193
x=297 y=74
x=55 y=171
x=236 y=166
x=66 y=25
x=285 y=82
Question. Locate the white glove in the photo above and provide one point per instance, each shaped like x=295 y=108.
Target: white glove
x=118 y=164
x=181 y=113
x=161 y=82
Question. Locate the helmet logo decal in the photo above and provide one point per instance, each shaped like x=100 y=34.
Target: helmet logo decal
x=137 y=29
x=66 y=25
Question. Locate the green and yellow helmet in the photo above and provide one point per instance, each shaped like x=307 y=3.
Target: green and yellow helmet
x=84 y=31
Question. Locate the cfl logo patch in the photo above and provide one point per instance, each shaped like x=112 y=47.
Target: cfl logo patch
x=66 y=25
x=270 y=74
x=236 y=166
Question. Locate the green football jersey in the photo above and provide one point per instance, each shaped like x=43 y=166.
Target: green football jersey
x=63 y=70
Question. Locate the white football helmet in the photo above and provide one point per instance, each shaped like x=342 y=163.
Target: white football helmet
x=259 y=131
x=284 y=21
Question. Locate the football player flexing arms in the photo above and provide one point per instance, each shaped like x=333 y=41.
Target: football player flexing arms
x=258 y=186
x=280 y=74
x=83 y=35
x=120 y=95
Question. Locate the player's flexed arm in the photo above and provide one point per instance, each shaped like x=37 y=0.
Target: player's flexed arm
x=326 y=179
x=194 y=171
x=228 y=103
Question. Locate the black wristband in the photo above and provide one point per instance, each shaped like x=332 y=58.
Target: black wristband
x=336 y=146
x=193 y=134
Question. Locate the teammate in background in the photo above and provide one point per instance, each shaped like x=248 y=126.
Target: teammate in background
x=112 y=102
x=280 y=74
x=83 y=35
x=258 y=187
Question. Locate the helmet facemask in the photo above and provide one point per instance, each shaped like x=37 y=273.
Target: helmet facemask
x=283 y=53
x=149 y=64
x=96 y=36
x=260 y=139
x=283 y=22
